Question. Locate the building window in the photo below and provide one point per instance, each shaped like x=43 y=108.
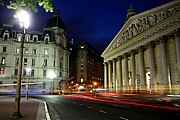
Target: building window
x=3 y=60
x=17 y=61
x=45 y=62
x=27 y=38
x=61 y=65
x=44 y=73
x=18 y=50
x=54 y=63
x=45 y=51
x=25 y=61
x=16 y=72
x=1 y=71
x=24 y=72
x=4 y=49
x=33 y=62
x=26 y=51
x=33 y=51
x=35 y=39
x=19 y=38
x=46 y=41
x=60 y=74
x=32 y=72
x=6 y=35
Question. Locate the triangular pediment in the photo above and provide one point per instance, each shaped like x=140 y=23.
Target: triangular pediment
x=138 y=24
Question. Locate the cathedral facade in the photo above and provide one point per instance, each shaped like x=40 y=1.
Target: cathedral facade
x=45 y=53
x=144 y=56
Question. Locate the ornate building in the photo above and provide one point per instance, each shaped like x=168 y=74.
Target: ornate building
x=86 y=66
x=145 y=53
x=45 y=53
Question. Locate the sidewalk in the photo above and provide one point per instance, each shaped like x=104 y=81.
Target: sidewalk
x=30 y=109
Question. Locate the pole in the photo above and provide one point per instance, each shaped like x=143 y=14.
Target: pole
x=27 y=90
x=16 y=113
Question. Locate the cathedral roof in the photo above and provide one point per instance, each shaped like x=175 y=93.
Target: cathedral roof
x=56 y=21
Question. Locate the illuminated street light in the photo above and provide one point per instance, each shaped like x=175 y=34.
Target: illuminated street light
x=24 y=23
x=52 y=75
x=27 y=88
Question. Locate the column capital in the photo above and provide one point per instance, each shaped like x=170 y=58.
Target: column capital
x=120 y=57
x=141 y=48
x=105 y=63
x=125 y=55
x=132 y=52
x=162 y=39
x=176 y=32
x=110 y=61
x=151 y=44
x=114 y=59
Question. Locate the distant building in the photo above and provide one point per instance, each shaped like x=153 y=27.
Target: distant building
x=44 y=52
x=86 y=66
x=145 y=53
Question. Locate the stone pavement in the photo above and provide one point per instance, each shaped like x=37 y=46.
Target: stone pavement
x=30 y=109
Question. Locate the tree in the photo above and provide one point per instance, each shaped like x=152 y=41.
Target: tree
x=29 y=4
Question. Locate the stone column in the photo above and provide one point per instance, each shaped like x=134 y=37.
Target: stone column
x=177 y=40
x=114 y=75
x=164 y=65
x=153 y=81
x=126 y=73
x=105 y=75
x=119 y=73
x=133 y=71
x=142 y=70
x=109 y=76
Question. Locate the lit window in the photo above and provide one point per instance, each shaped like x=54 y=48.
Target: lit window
x=4 y=49
x=3 y=60
x=18 y=50
x=25 y=61
x=45 y=51
x=1 y=71
x=19 y=38
x=26 y=51
x=82 y=47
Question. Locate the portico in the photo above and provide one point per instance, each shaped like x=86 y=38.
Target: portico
x=145 y=54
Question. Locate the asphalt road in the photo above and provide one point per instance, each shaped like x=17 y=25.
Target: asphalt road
x=81 y=109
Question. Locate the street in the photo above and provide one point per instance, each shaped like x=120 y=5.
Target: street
x=71 y=108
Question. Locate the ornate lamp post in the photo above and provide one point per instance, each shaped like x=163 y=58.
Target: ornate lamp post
x=24 y=23
x=27 y=89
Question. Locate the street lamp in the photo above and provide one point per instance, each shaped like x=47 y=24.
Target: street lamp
x=27 y=86
x=24 y=23
x=52 y=75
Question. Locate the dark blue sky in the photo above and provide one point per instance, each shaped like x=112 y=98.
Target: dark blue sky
x=96 y=21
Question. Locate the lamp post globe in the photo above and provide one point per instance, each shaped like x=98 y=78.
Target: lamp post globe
x=23 y=17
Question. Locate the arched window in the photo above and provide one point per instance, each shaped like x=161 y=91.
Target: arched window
x=6 y=35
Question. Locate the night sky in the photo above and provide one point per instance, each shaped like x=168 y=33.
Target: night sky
x=96 y=21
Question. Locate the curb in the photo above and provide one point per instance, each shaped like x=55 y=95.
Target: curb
x=43 y=113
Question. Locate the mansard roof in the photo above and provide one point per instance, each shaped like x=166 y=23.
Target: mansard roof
x=144 y=25
x=56 y=21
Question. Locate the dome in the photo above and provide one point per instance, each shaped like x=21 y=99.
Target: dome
x=56 y=21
